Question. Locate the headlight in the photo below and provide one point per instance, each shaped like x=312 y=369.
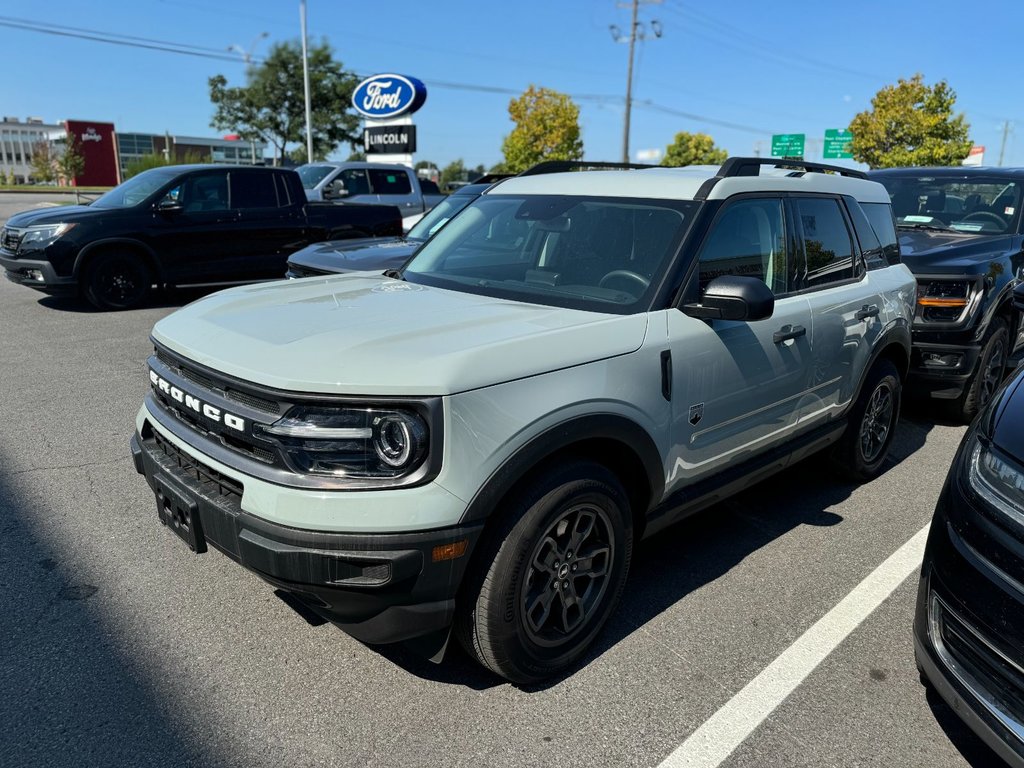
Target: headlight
x=44 y=234
x=998 y=480
x=378 y=443
x=944 y=301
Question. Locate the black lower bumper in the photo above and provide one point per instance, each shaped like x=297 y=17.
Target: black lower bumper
x=942 y=382
x=967 y=635
x=38 y=274
x=380 y=588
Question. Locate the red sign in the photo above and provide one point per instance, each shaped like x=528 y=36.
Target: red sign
x=98 y=145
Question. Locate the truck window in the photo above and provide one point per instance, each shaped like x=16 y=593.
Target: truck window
x=355 y=181
x=252 y=189
x=386 y=182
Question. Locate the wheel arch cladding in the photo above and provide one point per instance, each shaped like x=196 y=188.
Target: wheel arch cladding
x=619 y=444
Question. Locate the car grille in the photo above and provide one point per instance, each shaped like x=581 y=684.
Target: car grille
x=994 y=677
x=225 y=390
x=10 y=239
x=208 y=481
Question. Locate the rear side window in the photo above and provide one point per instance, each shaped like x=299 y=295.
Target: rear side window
x=250 y=189
x=884 y=226
x=828 y=249
x=389 y=182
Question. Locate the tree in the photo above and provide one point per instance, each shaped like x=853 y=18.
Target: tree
x=911 y=123
x=43 y=162
x=547 y=128
x=357 y=156
x=71 y=162
x=157 y=160
x=454 y=171
x=271 y=106
x=693 y=149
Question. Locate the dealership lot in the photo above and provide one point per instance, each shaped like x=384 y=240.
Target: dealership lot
x=122 y=648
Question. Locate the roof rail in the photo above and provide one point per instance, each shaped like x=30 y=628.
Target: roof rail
x=751 y=166
x=558 y=166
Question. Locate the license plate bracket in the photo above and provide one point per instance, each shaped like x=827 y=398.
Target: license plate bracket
x=179 y=511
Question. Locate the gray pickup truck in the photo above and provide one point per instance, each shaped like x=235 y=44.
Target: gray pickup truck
x=360 y=182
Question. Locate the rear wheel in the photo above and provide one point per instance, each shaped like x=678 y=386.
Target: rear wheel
x=988 y=377
x=549 y=575
x=862 y=449
x=117 y=280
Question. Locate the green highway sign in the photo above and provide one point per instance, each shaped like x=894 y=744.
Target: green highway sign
x=837 y=144
x=788 y=145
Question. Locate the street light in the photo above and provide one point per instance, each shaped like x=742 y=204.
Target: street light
x=246 y=53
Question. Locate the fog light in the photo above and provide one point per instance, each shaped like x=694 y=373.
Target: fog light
x=938 y=360
x=34 y=274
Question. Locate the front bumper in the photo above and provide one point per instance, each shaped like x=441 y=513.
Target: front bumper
x=947 y=381
x=968 y=637
x=380 y=588
x=19 y=271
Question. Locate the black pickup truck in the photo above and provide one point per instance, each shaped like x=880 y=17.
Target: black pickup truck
x=961 y=234
x=185 y=224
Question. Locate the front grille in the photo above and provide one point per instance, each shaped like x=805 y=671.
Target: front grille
x=206 y=480
x=10 y=239
x=225 y=390
x=994 y=676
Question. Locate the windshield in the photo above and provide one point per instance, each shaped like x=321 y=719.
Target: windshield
x=594 y=253
x=311 y=175
x=965 y=203
x=438 y=216
x=135 y=190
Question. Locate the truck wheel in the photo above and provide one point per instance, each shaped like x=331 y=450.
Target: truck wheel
x=550 y=575
x=862 y=449
x=117 y=280
x=988 y=377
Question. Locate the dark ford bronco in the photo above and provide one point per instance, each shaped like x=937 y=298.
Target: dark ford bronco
x=178 y=225
x=960 y=234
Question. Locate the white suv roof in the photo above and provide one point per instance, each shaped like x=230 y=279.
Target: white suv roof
x=684 y=184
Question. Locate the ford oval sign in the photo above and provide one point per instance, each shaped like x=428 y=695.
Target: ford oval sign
x=383 y=96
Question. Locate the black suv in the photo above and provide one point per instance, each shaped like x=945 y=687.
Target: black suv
x=961 y=235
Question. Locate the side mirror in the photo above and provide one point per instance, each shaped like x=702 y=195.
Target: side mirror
x=734 y=297
x=335 y=188
x=1018 y=297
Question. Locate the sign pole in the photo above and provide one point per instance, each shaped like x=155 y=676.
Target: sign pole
x=305 y=83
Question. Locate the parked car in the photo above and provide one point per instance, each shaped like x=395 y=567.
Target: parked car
x=961 y=235
x=968 y=633
x=473 y=444
x=366 y=182
x=175 y=225
x=336 y=256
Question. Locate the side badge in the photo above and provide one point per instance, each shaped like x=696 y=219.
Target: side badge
x=696 y=413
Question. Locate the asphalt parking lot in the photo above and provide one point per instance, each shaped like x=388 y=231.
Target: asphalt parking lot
x=120 y=647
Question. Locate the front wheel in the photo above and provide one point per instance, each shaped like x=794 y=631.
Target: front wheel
x=549 y=575
x=862 y=449
x=117 y=281
x=988 y=377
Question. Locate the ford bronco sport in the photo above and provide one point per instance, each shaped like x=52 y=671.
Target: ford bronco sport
x=473 y=444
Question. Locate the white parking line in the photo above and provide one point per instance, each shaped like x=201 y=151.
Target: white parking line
x=716 y=739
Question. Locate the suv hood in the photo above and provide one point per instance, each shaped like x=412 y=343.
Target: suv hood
x=930 y=253
x=356 y=255
x=55 y=215
x=363 y=334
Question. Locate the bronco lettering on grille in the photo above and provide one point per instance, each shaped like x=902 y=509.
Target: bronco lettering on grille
x=193 y=403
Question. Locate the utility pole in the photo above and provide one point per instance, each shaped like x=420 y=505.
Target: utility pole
x=636 y=32
x=1002 y=146
x=305 y=79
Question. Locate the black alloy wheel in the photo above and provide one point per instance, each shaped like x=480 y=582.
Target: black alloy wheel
x=877 y=421
x=861 y=451
x=989 y=375
x=117 y=281
x=548 y=572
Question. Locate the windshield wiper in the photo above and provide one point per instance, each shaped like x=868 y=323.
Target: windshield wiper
x=933 y=227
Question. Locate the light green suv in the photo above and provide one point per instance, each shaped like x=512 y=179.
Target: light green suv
x=473 y=444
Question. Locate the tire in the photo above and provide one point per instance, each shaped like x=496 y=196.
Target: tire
x=862 y=449
x=117 y=280
x=990 y=373
x=532 y=606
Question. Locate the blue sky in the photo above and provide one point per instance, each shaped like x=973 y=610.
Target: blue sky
x=739 y=69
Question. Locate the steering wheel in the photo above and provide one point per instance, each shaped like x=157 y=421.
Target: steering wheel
x=986 y=215
x=628 y=275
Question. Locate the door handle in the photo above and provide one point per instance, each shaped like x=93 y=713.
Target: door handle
x=868 y=310
x=787 y=332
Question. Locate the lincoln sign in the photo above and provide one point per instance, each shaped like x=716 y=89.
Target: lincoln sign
x=390 y=139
